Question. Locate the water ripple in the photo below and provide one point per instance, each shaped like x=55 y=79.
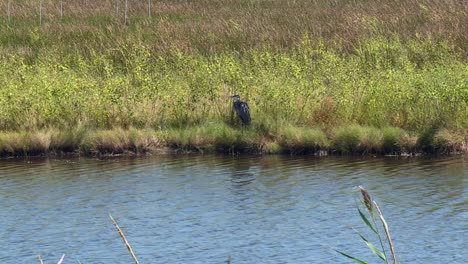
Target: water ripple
x=203 y=208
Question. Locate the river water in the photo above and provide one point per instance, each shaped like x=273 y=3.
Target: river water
x=205 y=208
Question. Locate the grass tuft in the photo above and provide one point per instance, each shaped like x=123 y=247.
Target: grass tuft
x=348 y=138
x=302 y=140
x=372 y=140
x=392 y=137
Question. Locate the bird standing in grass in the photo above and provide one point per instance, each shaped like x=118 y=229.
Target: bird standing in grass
x=242 y=109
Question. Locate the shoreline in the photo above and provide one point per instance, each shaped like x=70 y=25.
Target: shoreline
x=350 y=140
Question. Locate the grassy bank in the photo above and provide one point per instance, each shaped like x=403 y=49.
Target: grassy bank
x=219 y=137
x=310 y=71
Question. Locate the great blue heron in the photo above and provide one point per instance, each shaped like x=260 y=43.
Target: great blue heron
x=242 y=109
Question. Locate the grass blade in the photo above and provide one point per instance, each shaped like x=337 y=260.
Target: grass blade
x=351 y=257
x=364 y=218
x=375 y=250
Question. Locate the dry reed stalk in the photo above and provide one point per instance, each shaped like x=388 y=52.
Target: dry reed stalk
x=40 y=13
x=387 y=232
x=149 y=8
x=126 y=10
x=117 y=3
x=8 y=10
x=129 y=248
x=61 y=259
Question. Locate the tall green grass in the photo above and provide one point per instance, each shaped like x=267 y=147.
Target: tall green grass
x=351 y=76
x=308 y=86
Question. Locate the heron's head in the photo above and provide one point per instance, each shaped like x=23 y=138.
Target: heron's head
x=236 y=97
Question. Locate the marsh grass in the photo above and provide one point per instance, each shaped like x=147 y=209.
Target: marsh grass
x=221 y=137
x=449 y=142
x=215 y=26
x=81 y=74
x=373 y=217
x=348 y=139
x=392 y=139
x=214 y=136
x=118 y=141
x=302 y=140
x=306 y=87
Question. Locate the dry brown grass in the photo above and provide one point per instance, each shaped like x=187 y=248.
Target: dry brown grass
x=120 y=140
x=214 y=25
x=450 y=141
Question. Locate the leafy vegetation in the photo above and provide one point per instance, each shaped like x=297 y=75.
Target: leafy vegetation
x=344 y=76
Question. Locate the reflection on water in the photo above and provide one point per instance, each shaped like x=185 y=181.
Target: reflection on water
x=202 y=209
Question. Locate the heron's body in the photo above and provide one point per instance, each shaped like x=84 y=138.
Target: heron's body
x=242 y=110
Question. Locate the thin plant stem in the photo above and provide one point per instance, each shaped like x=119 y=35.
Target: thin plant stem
x=129 y=248
x=380 y=239
x=61 y=259
x=369 y=203
x=117 y=4
x=126 y=10
x=40 y=13
x=149 y=8
x=8 y=10
x=387 y=232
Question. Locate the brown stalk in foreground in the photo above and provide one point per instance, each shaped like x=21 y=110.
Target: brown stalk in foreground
x=387 y=232
x=124 y=239
x=369 y=203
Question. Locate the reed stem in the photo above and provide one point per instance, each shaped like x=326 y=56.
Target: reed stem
x=387 y=232
x=40 y=13
x=61 y=259
x=129 y=248
x=149 y=8
x=8 y=10
x=126 y=10
x=117 y=4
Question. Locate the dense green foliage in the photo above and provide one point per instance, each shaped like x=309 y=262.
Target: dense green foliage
x=382 y=84
x=343 y=75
